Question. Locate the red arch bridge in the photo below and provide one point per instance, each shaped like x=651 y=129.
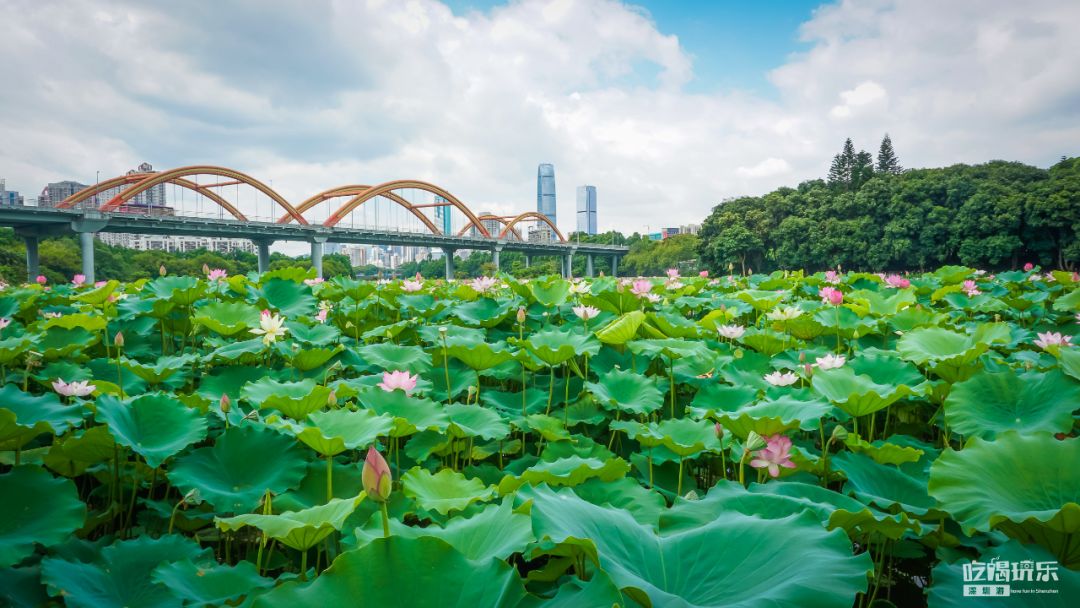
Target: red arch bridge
x=119 y=205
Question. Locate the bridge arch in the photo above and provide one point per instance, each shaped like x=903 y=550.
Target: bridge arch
x=162 y=177
x=132 y=178
x=354 y=190
x=388 y=188
x=535 y=216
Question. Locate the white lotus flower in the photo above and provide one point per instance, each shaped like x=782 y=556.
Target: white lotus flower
x=731 y=332
x=271 y=327
x=830 y=361
x=786 y=313
x=781 y=378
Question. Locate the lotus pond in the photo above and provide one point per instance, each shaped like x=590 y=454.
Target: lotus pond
x=772 y=440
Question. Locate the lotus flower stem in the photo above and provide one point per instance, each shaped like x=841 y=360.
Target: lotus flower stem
x=329 y=478
x=671 y=379
x=678 y=484
x=551 y=389
x=303 y=564
x=385 y=520
x=446 y=368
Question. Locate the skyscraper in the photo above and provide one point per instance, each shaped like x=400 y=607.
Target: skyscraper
x=442 y=214
x=545 y=191
x=586 y=209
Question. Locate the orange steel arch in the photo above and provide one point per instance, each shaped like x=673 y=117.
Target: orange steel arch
x=356 y=190
x=172 y=174
x=532 y=215
x=487 y=217
x=389 y=187
x=115 y=182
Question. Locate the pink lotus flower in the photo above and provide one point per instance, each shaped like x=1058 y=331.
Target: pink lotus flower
x=897 y=281
x=482 y=284
x=781 y=378
x=321 y=315
x=641 y=287
x=376 y=476
x=411 y=286
x=777 y=453
x=1050 y=278
x=673 y=273
x=398 y=379
x=521 y=315
x=41 y=280
x=1029 y=267
x=703 y=274
x=217 y=274
x=831 y=276
x=100 y=283
x=970 y=288
x=81 y=388
x=1053 y=339
x=78 y=280
x=586 y=312
x=4 y=322
x=313 y=282
x=731 y=332
x=832 y=296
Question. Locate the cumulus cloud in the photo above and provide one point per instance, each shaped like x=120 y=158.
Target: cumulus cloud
x=316 y=94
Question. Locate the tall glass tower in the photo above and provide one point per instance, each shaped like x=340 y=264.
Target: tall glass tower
x=545 y=191
x=586 y=209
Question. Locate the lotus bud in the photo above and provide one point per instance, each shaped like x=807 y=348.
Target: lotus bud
x=376 y=476
x=521 y=315
x=442 y=331
x=161 y=270
x=754 y=442
x=809 y=369
x=719 y=430
x=41 y=280
x=225 y=404
x=119 y=339
x=193 y=497
x=206 y=269
x=802 y=357
x=331 y=399
x=839 y=433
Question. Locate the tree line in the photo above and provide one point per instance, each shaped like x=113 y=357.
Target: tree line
x=877 y=217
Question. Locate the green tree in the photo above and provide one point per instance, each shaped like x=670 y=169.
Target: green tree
x=887 y=162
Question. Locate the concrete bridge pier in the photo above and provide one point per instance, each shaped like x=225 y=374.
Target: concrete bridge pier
x=263 y=248
x=316 y=254
x=33 y=264
x=588 y=266
x=495 y=257
x=568 y=262
x=86 y=227
x=528 y=259
x=448 y=256
x=614 y=265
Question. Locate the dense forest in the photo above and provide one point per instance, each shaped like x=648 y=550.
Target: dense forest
x=877 y=217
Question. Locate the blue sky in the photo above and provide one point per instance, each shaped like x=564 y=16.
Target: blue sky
x=733 y=43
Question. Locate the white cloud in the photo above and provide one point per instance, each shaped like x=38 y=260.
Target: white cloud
x=345 y=92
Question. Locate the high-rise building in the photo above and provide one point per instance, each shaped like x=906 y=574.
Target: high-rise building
x=56 y=192
x=442 y=214
x=586 y=209
x=146 y=201
x=10 y=198
x=545 y=191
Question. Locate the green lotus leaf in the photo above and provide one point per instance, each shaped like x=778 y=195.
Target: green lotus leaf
x=120 y=576
x=318 y=334
x=24 y=416
x=58 y=343
x=484 y=312
x=548 y=427
x=210 y=585
x=857 y=394
x=554 y=346
x=228 y=380
x=98 y=295
x=767 y=342
x=478 y=355
x=473 y=421
x=947 y=590
x=13 y=348
x=37 y=509
x=300 y=530
x=1069 y=359
x=569 y=471
x=685 y=437
x=668 y=348
x=85 y=321
x=308 y=359
x=551 y=292
x=227 y=318
x=887 y=486
x=447 y=579
x=444 y=491
x=791 y=561
x=761 y=300
x=674 y=326
x=244 y=462
x=1026 y=486
x=411 y=414
x=883 y=452
x=244 y=352
x=294 y=399
x=993 y=402
x=334 y=431
x=162 y=370
x=391 y=357
x=626 y=391
x=622 y=329
x=948 y=353
x=179 y=290
x=772 y=416
x=290 y=298
x=1068 y=302
x=156 y=426
x=625 y=493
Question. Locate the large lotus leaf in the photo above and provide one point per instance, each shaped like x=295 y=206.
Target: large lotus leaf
x=346 y=479
x=626 y=493
x=310 y=358
x=622 y=329
x=156 y=426
x=411 y=414
x=227 y=318
x=791 y=561
x=294 y=399
x=474 y=421
x=946 y=351
x=551 y=292
x=554 y=346
x=180 y=290
x=333 y=432
x=1027 y=486
x=120 y=577
x=548 y=427
x=37 y=509
x=773 y=416
x=761 y=300
x=1069 y=359
x=444 y=491
x=85 y=321
x=58 y=342
x=163 y=369
x=291 y=298
x=390 y=357
x=13 y=348
x=626 y=391
x=947 y=590
x=569 y=471
x=685 y=437
x=883 y=452
x=24 y=416
x=484 y=312
x=857 y=394
x=669 y=348
x=244 y=352
x=300 y=530
x=887 y=486
x=318 y=334
x=400 y=571
x=228 y=380
x=674 y=326
x=1068 y=302
x=244 y=462
x=716 y=396
x=214 y=585
x=994 y=402
x=477 y=355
